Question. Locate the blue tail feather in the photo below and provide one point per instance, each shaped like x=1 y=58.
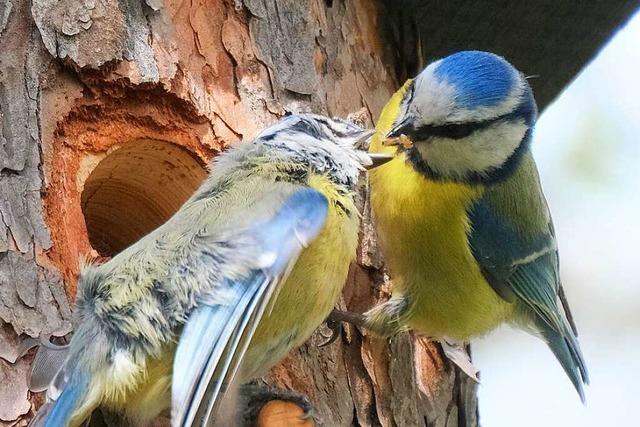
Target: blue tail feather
x=567 y=350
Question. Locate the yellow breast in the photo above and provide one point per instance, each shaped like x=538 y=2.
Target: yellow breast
x=149 y=394
x=304 y=302
x=423 y=227
x=312 y=289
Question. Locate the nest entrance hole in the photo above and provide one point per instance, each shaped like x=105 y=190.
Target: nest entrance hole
x=136 y=188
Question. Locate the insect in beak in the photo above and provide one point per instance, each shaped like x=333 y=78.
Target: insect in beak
x=398 y=135
x=403 y=140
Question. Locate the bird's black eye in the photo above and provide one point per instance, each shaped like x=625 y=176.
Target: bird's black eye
x=450 y=131
x=454 y=131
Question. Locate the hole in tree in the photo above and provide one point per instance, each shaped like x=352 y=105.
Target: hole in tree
x=135 y=189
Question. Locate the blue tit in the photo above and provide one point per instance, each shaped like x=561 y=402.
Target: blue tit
x=460 y=212
x=244 y=272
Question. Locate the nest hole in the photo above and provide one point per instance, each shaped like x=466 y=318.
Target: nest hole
x=136 y=188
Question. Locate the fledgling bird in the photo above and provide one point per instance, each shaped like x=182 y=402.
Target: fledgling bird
x=245 y=271
x=460 y=212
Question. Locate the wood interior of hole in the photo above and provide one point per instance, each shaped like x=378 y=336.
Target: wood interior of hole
x=134 y=189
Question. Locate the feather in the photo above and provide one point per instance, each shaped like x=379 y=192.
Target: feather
x=60 y=411
x=196 y=362
x=566 y=349
x=513 y=241
x=46 y=364
x=457 y=353
x=216 y=336
x=481 y=79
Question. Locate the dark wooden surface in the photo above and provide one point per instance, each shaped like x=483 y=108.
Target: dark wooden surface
x=550 y=39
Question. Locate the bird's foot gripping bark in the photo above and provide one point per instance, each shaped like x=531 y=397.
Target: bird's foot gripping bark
x=334 y=323
x=262 y=404
x=384 y=320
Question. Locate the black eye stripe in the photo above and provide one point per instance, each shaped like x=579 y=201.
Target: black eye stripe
x=412 y=89
x=408 y=96
x=451 y=131
x=458 y=130
x=307 y=127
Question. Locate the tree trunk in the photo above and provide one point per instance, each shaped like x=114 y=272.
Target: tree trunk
x=110 y=110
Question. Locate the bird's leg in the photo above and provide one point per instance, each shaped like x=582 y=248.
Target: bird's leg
x=385 y=320
x=335 y=320
x=254 y=398
x=355 y=319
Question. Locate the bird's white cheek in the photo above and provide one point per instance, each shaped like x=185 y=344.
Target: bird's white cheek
x=480 y=153
x=492 y=147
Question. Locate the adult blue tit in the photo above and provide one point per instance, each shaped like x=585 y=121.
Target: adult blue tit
x=460 y=212
x=245 y=271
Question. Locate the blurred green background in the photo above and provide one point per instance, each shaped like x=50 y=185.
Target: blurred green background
x=588 y=152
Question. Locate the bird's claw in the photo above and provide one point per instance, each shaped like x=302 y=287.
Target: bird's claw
x=335 y=326
x=308 y=411
x=334 y=323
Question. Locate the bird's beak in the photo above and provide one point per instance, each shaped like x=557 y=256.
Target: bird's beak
x=378 y=159
x=362 y=140
x=398 y=135
x=404 y=127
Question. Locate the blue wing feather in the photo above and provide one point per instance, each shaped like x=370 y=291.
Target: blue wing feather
x=564 y=346
x=525 y=269
x=215 y=336
x=59 y=412
x=203 y=341
x=68 y=401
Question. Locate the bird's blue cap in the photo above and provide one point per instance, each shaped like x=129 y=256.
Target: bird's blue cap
x=481 y=79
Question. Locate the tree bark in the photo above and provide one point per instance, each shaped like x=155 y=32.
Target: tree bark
x=109 y=111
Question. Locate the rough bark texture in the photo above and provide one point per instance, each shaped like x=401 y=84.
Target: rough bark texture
x=80 y=79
